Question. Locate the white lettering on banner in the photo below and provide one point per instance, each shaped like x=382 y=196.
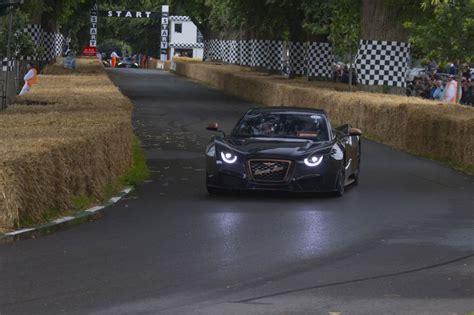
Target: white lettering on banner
x=93 y=31
x=164 y=33
x=164 y=27
x=164 y=39
x=128 y=14
x=94 y=25
x=139 y=14
x=94 y=19
x=164 y=45
x=148 y=14
x=119 y=13
x=93 y=43
x=164 y=21
x=110 y=14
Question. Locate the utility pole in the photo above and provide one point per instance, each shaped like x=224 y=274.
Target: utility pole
x=7 y=75
x=8 y=5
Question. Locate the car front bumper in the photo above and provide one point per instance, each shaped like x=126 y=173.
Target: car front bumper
x=300 y=178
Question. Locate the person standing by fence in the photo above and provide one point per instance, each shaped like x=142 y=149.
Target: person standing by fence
x=114 y=57
x=30 y=78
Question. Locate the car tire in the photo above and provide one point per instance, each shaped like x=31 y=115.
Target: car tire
x=340 y=184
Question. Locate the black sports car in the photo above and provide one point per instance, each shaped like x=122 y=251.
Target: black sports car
x=127 y=63
x=283 y=149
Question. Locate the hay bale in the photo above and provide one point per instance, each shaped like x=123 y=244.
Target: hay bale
x=84 y=65
x=423 y=127
x=75 y=141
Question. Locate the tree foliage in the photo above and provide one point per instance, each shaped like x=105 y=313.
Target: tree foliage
x=447 y=33
x=21 y=44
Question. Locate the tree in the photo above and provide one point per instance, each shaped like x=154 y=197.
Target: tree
x=344 y=30
x=21 y=44
x=447 y=34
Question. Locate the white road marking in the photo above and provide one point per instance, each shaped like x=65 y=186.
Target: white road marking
x=63 y=219
x=19 y=231
x=95 y=209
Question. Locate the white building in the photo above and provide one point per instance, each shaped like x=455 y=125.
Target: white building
x=184 y=38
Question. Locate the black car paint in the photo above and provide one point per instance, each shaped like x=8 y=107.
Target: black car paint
x=340 y=152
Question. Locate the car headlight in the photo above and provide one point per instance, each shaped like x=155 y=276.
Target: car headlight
x=313 y=161
x=228 y=157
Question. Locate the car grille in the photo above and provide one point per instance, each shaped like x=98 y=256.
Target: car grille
x=269 y=170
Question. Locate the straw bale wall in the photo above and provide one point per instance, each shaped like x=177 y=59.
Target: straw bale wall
x=70 y=136
x=440 y=131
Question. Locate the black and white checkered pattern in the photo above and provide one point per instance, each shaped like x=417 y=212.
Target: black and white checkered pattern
x=187 y=45
x=382 y=62
x=232 y=52
x=179 y=18
x=53 y=43
x=245 y=53
x=211 y=49
x=36 y=33
x=258 y=53
x=225 y=49
x=274 y=52
x=320 y=60
x=8 y=65
x=297 y=58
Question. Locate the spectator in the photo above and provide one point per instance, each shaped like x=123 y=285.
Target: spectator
x=30 y=78
x=438 y=93
x=465 y=98
x=450 y=90
x=466 y=71
x=431 y=67
x=115 y=58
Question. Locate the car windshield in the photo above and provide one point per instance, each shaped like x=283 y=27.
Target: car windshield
x=283 y=125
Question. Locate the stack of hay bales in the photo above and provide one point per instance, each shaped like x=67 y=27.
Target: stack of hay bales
x=70 y=136
x=440 y=131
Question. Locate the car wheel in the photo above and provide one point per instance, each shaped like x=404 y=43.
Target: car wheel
x=340 y=183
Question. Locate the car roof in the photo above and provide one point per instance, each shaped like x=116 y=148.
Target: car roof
x=287 y=109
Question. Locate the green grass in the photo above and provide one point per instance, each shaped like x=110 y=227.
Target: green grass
x=80 y=203
x=139 y=172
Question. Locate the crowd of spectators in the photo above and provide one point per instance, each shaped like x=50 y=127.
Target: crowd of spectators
x=441 y=84
x=341 y=73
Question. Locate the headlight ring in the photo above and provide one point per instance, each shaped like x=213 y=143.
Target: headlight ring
x=228 y=157
x=313 y=161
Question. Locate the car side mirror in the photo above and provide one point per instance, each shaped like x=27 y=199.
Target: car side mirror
x=213 y=126
x=354 y=132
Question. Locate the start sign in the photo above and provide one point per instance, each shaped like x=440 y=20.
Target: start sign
x=130 y=14
x=89 y=51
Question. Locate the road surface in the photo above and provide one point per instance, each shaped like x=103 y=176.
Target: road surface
x=401 y=242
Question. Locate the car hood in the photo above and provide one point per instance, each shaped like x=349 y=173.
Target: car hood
x=277 y=147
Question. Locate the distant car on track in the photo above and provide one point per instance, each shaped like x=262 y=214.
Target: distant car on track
x=283 y=149
x=127 y=63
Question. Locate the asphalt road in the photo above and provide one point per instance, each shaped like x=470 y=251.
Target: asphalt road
x=399 y=243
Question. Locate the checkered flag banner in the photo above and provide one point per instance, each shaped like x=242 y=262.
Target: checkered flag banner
x=274 y=55
x=53 y=43
x=313 y=58
x=8 y=65
x=320 y=60
x=382 y=62
x=297 y=58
